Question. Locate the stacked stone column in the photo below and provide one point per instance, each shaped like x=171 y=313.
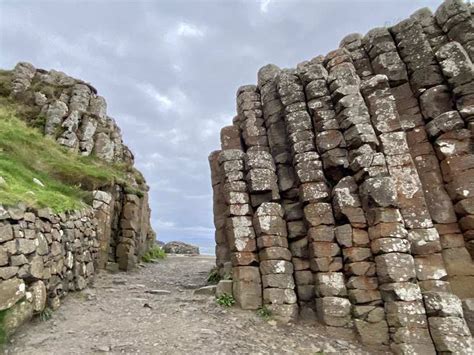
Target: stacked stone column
x=395 y=266
x=359 y=266
x=455 y=19
x=250 y=118
x=360 y=59
x=220 y=215
x=453 y=143
x=330 y=289
x=275 y=262
x=247 y=286
x=273 y=112
x=434 y=34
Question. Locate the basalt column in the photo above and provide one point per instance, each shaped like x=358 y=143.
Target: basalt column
x=270 y=227
x=247 y=285
x=275 y=262
x=332 y=307
x=273 y=113
x=433 y=32
x=220 y=215
x=452 y=133
x=455 y=19
x=423 y=72
x=351 y=232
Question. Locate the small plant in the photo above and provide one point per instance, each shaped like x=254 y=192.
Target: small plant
x=46 y=314
x=153 y=254
x=264 y=313
x=213 y=277
x=225 y=300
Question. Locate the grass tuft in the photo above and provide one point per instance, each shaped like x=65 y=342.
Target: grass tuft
x=46 y=314
x=213 y=277
x=264 y=313
x=225 y=300
x=154 y=254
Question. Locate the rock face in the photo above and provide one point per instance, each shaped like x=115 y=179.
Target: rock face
x=344 y=187
x=180 y=248
x=45 y=255
x=73 y=113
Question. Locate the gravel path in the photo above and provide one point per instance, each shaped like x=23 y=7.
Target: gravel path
x=154 y=311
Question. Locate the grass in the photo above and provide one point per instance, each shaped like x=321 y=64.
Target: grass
x=26 y=154
x=46 y=314
x=154 y=254
x=264 y=313
x=213 y=277
x=225 y=300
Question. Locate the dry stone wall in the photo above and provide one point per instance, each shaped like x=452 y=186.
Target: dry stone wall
x=43 y=256
x=344 y=187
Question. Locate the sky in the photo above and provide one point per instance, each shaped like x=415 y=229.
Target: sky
x=169 y=71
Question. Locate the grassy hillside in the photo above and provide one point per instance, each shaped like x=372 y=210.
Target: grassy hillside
x=26 y=155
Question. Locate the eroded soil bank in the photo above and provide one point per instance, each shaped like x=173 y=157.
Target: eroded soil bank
x=154 y=311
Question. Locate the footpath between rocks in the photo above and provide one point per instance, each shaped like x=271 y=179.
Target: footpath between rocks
x=155 y=310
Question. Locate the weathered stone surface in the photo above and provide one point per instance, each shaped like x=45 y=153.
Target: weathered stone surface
x=11 y=291
x=38 y=290
x=395 y=267
x=224 y=287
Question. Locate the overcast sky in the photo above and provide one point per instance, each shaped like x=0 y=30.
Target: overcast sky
x=169 y=71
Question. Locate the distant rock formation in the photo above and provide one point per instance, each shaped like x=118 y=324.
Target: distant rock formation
x=345 y=186
x=180 y=248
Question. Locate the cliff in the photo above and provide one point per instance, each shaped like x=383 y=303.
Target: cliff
x=71 y=201
x=344 y=187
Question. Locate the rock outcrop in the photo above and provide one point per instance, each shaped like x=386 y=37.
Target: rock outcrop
x=180 y=248
x=45 y=255
x=345 y=188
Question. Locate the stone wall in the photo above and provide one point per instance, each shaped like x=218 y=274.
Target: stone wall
x=43 y=256
x=344 y=187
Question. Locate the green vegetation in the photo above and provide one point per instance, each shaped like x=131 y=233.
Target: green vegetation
x=3 y=335
x=46 y=314
x=154 y=254
x=26 y=154
x=225 y=300
x=213 y=277
x=264 y=313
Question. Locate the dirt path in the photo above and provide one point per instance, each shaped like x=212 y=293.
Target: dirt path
x=120 y=315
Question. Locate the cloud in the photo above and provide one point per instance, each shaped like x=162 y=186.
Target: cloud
x=163 y=101
x=183 y=30
x=164 y=224
x=189 y=30
x=264 y=5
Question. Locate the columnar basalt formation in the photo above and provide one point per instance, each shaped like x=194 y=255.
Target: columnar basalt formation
x=372 y=150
